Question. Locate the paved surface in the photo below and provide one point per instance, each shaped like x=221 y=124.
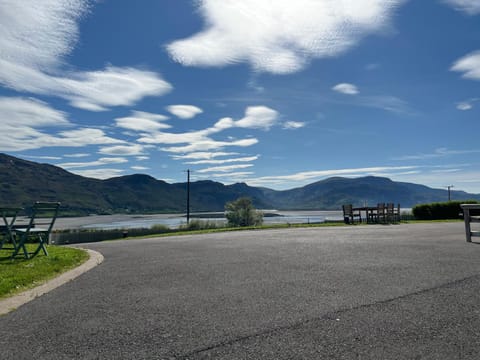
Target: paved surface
x=13 y=302
x=358 y=292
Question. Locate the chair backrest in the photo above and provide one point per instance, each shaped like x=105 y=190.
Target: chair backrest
x=347 y=210
x=390 y=207
x=381 y=208
x=43 y=216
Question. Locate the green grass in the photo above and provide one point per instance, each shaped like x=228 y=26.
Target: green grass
x=19 y=274
x=178 y=232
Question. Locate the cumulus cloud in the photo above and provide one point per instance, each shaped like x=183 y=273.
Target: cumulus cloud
x=37 y=35
x=469 y=65
x=184 y=111
x=23 y=121
x=143 y=122
x=470 y=7
x=279 y=36
x=256 y=117
x=345 y=88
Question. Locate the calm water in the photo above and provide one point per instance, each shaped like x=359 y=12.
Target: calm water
x=174 y=220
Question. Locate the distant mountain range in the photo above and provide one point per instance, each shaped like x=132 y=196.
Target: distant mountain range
x=24 y=182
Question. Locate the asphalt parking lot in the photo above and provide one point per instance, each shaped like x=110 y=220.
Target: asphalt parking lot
x=405 y=291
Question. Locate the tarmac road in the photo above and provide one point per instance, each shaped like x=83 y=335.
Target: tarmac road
x=405 y=291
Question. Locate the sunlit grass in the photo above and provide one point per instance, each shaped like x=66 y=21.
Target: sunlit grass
x=19 y=274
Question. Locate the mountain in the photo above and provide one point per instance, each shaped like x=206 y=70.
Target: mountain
x=24 y=182
x=333 y=192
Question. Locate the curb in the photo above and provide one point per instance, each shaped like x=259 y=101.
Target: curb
x=12 y=303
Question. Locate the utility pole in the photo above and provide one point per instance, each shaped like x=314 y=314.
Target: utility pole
x=188 y=196
x=449 y=187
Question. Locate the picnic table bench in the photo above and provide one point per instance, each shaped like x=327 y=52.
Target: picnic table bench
x=471 y=214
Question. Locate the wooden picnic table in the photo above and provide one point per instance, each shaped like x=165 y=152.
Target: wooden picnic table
x=370 y=212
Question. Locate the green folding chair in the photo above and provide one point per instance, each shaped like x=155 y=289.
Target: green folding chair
x=7 y=235
x=38 y=229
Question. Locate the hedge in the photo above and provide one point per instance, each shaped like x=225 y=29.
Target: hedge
x=440 y=210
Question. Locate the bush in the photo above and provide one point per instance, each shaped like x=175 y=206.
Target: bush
x=200 y=225
x=242 y=213
x=440 y=210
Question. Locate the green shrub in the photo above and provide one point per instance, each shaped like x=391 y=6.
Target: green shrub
x=200 y=225
x=160 y=228
x=440 y=210
x=242 y=213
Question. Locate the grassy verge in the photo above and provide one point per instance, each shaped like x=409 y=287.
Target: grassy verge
x=17 y=275
x=177 y=232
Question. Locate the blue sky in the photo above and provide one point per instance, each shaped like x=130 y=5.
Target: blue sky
x=272 y=93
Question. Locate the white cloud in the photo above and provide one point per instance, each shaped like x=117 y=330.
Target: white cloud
x=437 y=153
x=464 y=106
x=224 y=168
x=306 y=176
x=184 y=111
x=209 y=144
x=291 y=125
x=123 y=150
x=224 y=161
x=23 y=120
x=37 y=35
x=140 y=168
x=143 y=121
x=99 y=162
x=469 y=65
x=279 y=36
x=470 y=7
x=16 y=111
x=345 y=88
x=113 y=86
x=43 y=157
x=237 y=175
x=385 y=102
x=202 y=155
x=78 y=155
x=99 y=173
x=258 y=117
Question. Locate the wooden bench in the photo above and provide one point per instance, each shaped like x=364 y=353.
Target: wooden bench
x=469 y=218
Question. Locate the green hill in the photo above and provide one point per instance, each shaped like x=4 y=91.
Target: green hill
x=24 y=182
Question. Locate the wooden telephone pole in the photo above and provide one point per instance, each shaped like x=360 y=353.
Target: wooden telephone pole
x=188 y=196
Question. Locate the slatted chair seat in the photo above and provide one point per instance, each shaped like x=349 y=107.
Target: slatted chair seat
x=38 y=229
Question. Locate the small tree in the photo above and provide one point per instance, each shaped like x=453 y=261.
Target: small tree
x=241 y=212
